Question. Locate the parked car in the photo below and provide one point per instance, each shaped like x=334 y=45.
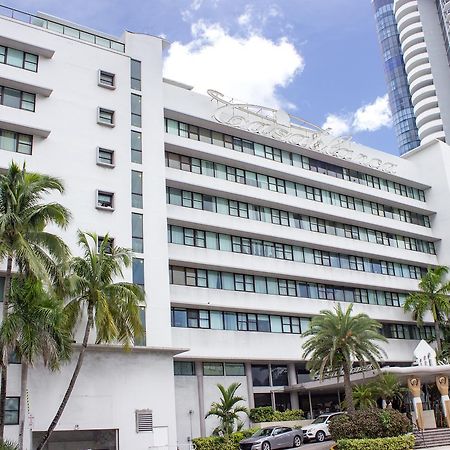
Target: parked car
x=273 y=438
x=318 y=429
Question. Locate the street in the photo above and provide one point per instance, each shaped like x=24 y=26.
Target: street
x=317 y=446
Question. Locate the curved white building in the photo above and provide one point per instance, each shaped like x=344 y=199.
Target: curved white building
x=418 y=69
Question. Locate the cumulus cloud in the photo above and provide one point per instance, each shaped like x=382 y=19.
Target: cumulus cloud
x=255 y=19
x=250 y=67
x=370 y=117
x=337 y=125
x=373 y=116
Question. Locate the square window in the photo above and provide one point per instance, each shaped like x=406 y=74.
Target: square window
x=12 y=410
x=108 y=245
x=213 y=369
x=105 y=157
x=105 y=117
x=106 y=79
x=105 y=200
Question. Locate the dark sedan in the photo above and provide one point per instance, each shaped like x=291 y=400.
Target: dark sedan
x=273 y=438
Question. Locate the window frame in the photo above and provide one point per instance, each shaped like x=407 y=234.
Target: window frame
x=110 y=165
x=104 y=192
x=101 y=110
x=102 y=73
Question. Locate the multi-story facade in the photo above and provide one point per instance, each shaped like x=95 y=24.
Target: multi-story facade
x=417 y=30
x=245 y=224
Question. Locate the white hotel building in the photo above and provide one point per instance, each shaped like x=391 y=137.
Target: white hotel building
x=244 y=226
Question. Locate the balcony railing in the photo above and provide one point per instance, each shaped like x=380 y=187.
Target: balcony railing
x=67 y=30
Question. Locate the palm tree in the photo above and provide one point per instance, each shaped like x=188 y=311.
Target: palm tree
x=24 y=243
x=35 y=328
x=112 y=308
x=363 y=396
x=388 y=388
x=227 y=410
x=433 y=296
x=336 y=339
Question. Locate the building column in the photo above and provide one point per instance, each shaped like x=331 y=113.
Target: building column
x=292 y=379
x=310 y=405
x=248 y=374
x=201 y=397
x=414 y=388
x=442 y=385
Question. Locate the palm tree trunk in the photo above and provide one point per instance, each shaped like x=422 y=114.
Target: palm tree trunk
x=23 y=402
x=437 y=331
x=348 y=389
x=5 y=356
x=75 y=374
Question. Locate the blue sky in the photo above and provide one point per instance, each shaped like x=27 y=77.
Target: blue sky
x=320 y=60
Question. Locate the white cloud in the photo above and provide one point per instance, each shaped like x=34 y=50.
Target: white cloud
x=337 y=125
x=255 y=19
x=370 y=117
x=249 y=68
x=373 y=116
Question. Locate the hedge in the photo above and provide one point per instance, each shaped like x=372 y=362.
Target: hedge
x=369 y=424
x=268 y=414
x=222 y=443
x=405 y=442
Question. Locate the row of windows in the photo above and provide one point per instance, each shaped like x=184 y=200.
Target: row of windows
x=210 y=368
x=292 y=159
x=17 y=99
x=235 y=321
x=234 y=208
x=258 y=247
x=213 y=279
x=259 y=180
x=16 y=142
x=18 y=58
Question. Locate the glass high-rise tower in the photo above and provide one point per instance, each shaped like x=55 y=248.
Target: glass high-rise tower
x=403 y=117
x=414 y=37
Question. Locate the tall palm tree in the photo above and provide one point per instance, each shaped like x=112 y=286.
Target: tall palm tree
x=112 y=308
x=336 y=339
x=433 y=296
x=35 y=328
x=24 y=243
x=388 y=388
x=363 y=396
x=227 y=410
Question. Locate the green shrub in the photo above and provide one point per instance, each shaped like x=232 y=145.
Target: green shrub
x=221 y=443
x=261 y=414
x=405 y=442
x=267 y=414
x=8 y=445
x=289 y=414
x=369 y=423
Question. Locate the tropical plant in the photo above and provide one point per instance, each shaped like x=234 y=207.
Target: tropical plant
x=35 y=329
x=432 y=296
x=388 y=388
x=227 y=410
x=112 y=308
x=8 y=445
x=24 y=241
x=364 y=396
x=369 y=424
x=336 y=339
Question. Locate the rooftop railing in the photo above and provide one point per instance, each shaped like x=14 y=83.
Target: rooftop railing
x=67 y=30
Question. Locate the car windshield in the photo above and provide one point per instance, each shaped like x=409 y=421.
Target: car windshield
x=263 y=432
x=320 y=419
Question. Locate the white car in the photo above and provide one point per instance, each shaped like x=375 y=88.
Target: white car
x=318 y=430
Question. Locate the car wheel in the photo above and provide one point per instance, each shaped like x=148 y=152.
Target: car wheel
x=320 y=436
x=265 y=446
x=297 y=441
